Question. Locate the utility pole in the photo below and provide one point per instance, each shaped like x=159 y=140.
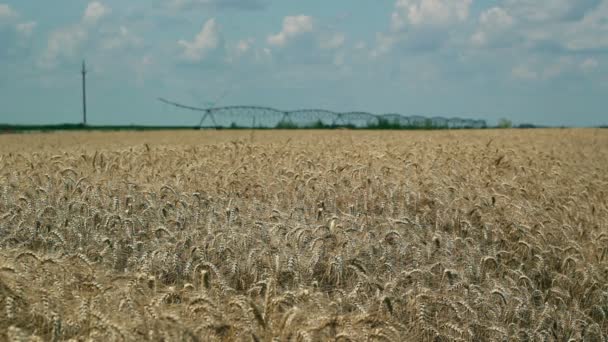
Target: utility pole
x=84 y=93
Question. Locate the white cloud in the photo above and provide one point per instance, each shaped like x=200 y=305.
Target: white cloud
x=543 y=69
x=120 y=39
x=589 y=33
x=26 y=29
x=241 y=48
x=524 y=73
x=6 y=12
x=384 y=44
x=243 y=45
x=293 y=26
x=266 y=54
x=66 y=42
x=571 y=25
x=206 y=40
x=62 y=43
x=339 y=59
x=333 y=41
x=10 y=18
x=141 y=68
x=492 y=23
x=479 y=38
x=496 y=17
x=553 y=10
x=246 y=50
x=429 y=12
x=219 y=4
x=555 y=69
x=589 y=64
x=95 y=11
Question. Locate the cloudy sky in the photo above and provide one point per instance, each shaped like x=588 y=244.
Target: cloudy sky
x=534 y=61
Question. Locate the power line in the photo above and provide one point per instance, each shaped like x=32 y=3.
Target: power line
x=84 y=93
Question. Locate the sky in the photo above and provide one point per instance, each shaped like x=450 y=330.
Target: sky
x=531 y=61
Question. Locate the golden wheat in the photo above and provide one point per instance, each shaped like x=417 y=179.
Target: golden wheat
x=305 y=236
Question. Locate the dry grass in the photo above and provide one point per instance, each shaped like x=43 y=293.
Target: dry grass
x=305 y=236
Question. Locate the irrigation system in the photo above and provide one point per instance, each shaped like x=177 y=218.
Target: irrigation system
x=268 y=117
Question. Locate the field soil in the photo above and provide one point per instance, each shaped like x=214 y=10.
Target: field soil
x=489 y=235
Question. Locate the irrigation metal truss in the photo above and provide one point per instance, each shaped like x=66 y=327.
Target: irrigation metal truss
x=267 y=117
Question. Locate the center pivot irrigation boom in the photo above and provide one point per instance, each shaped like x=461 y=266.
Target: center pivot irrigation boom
x=272 y=117
x=208 y=111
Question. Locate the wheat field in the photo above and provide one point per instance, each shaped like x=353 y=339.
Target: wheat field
x=491 y=235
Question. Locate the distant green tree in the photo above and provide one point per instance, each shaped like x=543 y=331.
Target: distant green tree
x=504 y=123
x=286 y=125
x=428 y=124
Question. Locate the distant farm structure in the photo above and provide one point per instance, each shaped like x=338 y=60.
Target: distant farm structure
x=267 y=117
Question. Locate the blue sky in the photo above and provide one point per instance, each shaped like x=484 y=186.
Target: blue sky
x=541 y=62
